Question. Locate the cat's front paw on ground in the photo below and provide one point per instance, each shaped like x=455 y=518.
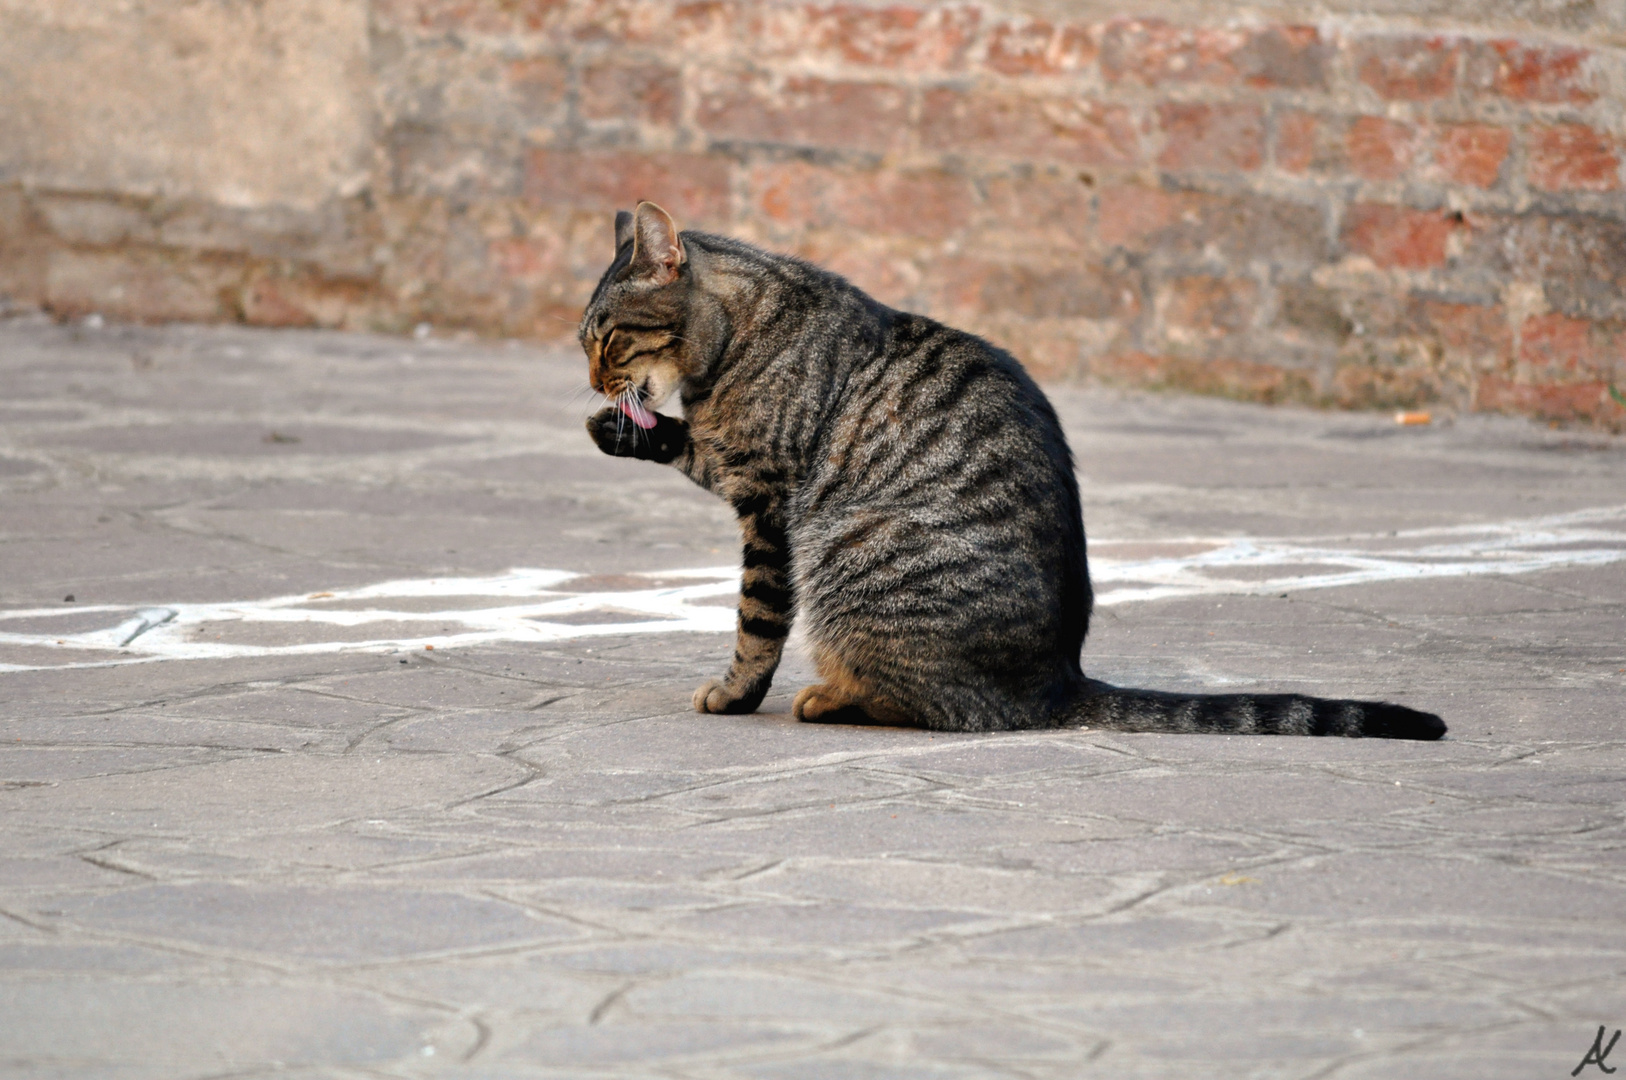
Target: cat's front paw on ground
x=716 y=697
x=618 y=436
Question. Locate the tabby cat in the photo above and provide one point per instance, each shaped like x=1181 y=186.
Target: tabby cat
x=903 y=486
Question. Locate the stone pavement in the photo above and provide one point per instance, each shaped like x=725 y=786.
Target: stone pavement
x=253 y=824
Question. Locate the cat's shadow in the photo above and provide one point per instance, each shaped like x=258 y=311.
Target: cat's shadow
x=849 y=716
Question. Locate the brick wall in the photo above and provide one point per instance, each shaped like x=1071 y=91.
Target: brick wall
x=1360 y=211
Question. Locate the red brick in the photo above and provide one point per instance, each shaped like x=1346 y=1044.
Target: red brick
x=1292 y=57
x=305 y=299
x=18 y=218
x=451 y=159
x=269 y=302
x=23 y=248
x=1065 y=129
x=1057 y=292
x=539 y=93
x=874 y=264
x=1548 y=401
x=646 y=93
x=1572 y=157
x=476 y=16
x=1579 y=259
x=1379 y=313
x=1218 y=137
x=1379 y=149
x=1309 y=313
x=1470 y=153
x=694 y=187
x=954 y=284
x=1396 y=236
x=139 y=283
x=1296 y=140
x=1190 y=225
x=888 y=201
x=1048 y=350
x=1204 y=307
x=540 y=81
x=1390 y=380
x=702 y=27
x=1556 y=346
x=790 y=194
x=1033 y=47
x=529 y=258
x=1411 y=68
x=900 y=37
x=1037 y=212
x=1475 y=332
x=804 y=111
x=1545 y=73
x=1151 y=51
x=1135 y=217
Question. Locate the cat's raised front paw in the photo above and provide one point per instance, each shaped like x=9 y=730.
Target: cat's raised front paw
x=614 y=433
x=618 y=436
x=716 y=697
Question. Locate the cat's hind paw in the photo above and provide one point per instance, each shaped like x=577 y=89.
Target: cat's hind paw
x=817 y=705
x=822 y=704
x=716 y=697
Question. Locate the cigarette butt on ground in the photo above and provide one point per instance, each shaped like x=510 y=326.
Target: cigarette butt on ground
x=1411 y=418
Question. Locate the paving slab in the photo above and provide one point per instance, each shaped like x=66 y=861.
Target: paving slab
x=363 y=749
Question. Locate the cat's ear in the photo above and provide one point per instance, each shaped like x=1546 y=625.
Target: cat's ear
x=657 y=250
x=623 y=229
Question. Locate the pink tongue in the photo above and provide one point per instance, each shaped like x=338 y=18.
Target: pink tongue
x=637 y=413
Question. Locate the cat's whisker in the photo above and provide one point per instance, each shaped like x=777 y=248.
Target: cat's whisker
x=570 y=401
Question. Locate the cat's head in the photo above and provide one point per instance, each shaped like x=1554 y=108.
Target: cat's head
x=632 y=330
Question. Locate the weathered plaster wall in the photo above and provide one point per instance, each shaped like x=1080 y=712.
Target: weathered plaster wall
x=1393 y=206
x=241 y=103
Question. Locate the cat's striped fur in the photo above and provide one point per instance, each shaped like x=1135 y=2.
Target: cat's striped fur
x=904 y=488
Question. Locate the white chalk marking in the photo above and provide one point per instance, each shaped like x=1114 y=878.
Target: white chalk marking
x=537 y=600
x=138 y=624
x=1584 y=538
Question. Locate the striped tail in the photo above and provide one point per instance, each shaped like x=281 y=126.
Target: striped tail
x=1119 y=709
